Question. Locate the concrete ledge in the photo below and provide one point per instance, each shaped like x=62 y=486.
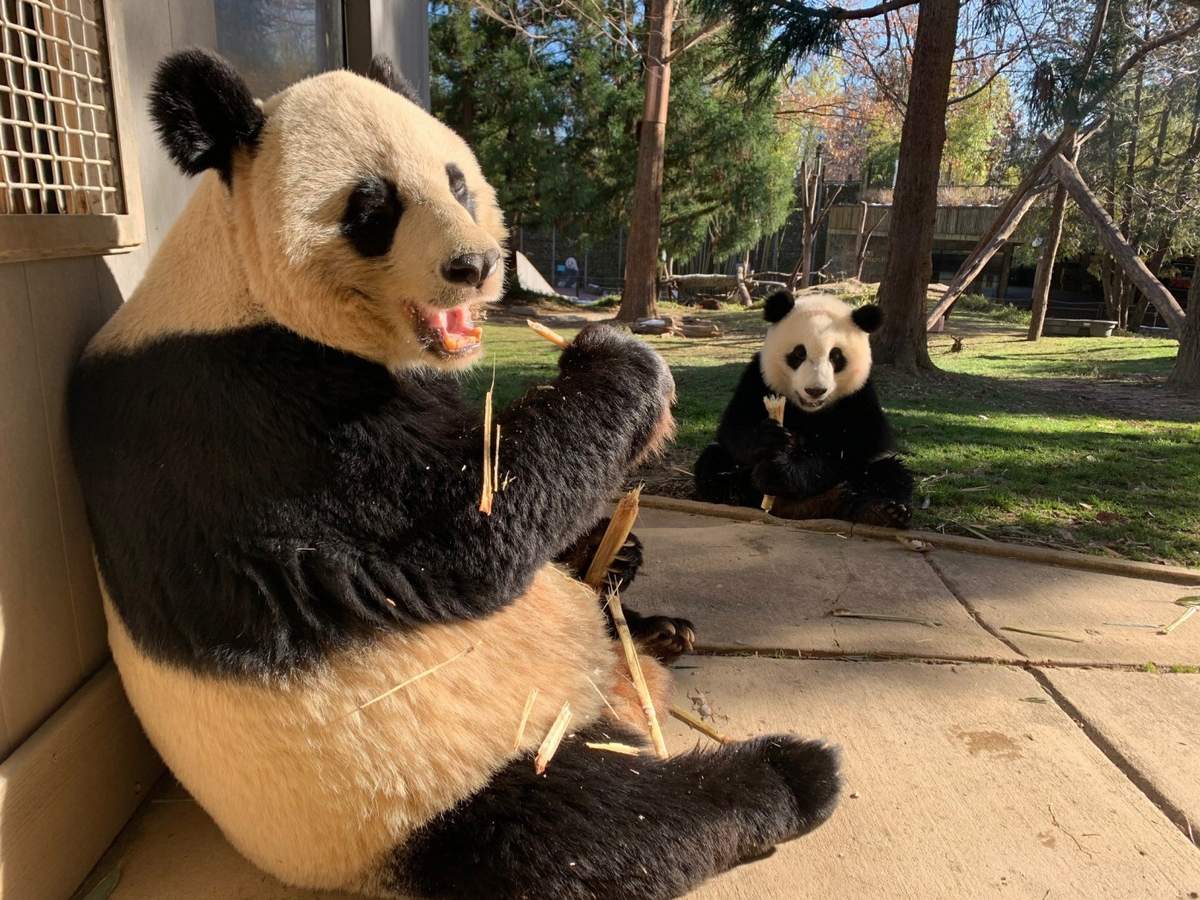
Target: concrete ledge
x=1045 y=555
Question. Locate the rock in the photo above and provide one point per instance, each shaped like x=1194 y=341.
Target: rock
x=660 y=325
x=708 y=303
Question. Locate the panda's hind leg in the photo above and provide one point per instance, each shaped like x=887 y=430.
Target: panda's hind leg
x=606 y=825
x=882 y=495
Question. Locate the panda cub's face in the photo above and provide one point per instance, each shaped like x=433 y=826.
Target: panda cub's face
x=817 y=349
x=361 y=220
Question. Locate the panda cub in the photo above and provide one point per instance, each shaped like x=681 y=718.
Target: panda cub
x=833 y=455
x=327 y=642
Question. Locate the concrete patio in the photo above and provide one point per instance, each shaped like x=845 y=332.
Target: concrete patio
x=979 y=761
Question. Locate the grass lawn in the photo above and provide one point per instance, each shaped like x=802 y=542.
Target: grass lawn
x=1067 y=442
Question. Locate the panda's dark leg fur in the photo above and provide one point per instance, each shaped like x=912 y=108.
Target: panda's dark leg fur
x=603 y=825
x=719 y=479
x=663 y=637
x=882 y=495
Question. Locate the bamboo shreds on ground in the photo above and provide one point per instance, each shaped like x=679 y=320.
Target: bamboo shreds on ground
x=614 y=538
x=1192 y=604
x=529 y=701
x=635 y=672
x=626 y=749
x=407 y=681
x=552 y=336
x=553 y=738
x=1044 y=634
x=776 y=406
x=695 y=722
x=485 y=497
x=884 y=617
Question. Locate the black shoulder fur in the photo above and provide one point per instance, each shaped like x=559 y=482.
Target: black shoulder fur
x=258 y=499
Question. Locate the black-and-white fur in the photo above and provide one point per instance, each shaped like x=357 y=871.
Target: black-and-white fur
x=833 y=456
x=328 y=643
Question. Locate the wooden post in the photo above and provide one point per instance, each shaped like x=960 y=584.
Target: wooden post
x=1045 y=272
x=1005 y=271
x=1115 y=243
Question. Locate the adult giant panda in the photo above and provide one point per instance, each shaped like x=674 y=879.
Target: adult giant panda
x=833 y=455
x=283 y=487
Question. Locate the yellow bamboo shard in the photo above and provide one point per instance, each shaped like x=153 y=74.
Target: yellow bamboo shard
x=635 y=672
x=529 y=701
x=552 y=336
x=614 y=747
x=615 y=536
x=489 y=484
x=553 y=738
x=415 y=678
x=697 y=724
x=776 y=406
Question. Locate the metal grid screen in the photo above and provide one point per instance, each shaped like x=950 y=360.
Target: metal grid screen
x=58 y=149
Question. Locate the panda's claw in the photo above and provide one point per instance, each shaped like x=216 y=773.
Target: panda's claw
x=663 y=637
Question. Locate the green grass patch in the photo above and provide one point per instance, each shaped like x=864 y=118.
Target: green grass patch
x=1013 y=440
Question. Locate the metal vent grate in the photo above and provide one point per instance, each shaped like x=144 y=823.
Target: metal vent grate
x=58 y=150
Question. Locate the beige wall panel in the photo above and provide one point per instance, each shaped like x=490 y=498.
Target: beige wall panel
x=39 y=656
x=66 y=313
x=69 y=788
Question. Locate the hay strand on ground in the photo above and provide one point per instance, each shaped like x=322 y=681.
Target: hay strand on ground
x=1043 y=634
x=696 y=723
x=614 y=538
x=553 y=738
x=776 y=406
x=552 y=336
x=635 y=672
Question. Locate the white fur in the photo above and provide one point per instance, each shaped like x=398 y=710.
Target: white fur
x=820 y=324
x=272 y=250
x=317 y=794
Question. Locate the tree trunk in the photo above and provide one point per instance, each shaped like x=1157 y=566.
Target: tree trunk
x=638 y=299
x=901 y=340
x=1045 y=272
x=1186 y=374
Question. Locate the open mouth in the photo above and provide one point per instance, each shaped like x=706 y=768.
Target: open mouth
x=448 y=333
x=809 y=405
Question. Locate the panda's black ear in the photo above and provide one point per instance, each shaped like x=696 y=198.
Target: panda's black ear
x=383 y=70
x=203 y=111
x=778 y=305
x=868 y=317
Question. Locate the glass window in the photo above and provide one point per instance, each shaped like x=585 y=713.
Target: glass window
x=273 y=43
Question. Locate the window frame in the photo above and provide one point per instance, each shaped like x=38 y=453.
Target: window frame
x=34 y=236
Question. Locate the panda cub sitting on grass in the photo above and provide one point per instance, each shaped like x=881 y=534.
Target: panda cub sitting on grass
x=833 y=455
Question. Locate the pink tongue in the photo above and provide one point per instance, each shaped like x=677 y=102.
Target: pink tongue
x=458 y=320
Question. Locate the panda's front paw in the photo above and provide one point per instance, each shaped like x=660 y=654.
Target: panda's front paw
x=663 y=637
x=775 y=475
x=770 y=438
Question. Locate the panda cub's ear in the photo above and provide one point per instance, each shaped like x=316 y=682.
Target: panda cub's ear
x=383 y=70
x=778 y=305
x=203 y=111
x=868 y=317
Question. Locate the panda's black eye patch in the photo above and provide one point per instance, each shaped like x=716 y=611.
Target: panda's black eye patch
x=837 y=358
x=458 y=187
x=797 y=356
x=372 y=213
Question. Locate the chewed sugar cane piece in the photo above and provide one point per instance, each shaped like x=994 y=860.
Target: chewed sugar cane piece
x=613 y=747
x=615 y=536
x=636 y=675
x=485 y=496
x=529 y=701
x=552 y=336
x=553 y=738
x=776 y=406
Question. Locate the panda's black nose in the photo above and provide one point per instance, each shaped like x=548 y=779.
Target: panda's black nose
x=816 y=392
x=470 y=268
